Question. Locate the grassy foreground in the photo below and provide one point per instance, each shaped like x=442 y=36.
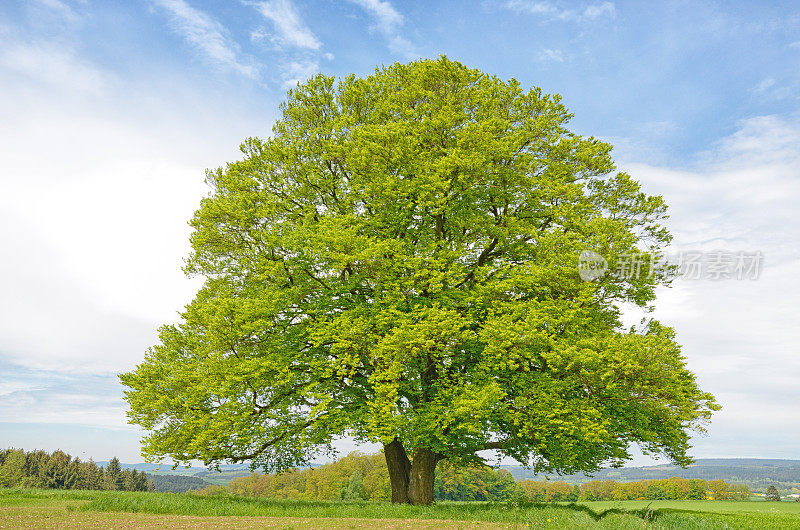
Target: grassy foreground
x=86 y=509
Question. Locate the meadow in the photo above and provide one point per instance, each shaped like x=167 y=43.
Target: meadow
x=32 y=508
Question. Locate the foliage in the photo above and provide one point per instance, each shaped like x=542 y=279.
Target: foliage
x=58 y=470
x=664 y=489
x=354 y=476
x=354 y=490
x=211 y=490
x=397 y=263
x=474 y=483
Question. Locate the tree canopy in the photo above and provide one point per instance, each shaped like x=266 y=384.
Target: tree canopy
x=397 y=263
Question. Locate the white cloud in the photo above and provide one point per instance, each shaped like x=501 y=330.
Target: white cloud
x=37 y=406
x=207 y=36
x=548 y=55
x=298 y=72
x=54 y=65
x=764 y=85
x=12 y=387
x=388 y=21
x=740 y=337
x=770 y=89
x=292 y=31
x=762 y=141
x=63 y=9
x=600 y=10
x=301 y=50
x=554 y=12
x=402 y=46
x=99 y=179
x=532 y=7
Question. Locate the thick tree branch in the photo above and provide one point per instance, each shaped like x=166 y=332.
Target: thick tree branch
x=482 y=259
x=269 y=443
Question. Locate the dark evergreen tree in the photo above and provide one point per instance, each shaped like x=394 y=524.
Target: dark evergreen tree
x=140 y=481
x=773 y=494
x=56 y=472
x=112 y=479
x=13 y=471
x=35 y=462
x=126 y=480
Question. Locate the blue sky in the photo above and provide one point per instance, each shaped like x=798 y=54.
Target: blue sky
x=111 y=111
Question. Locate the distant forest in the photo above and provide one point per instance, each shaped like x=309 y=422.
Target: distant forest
x=59 y=470
x=360 y=476
x=176 y=483
x=757 y=473
x=365 y=477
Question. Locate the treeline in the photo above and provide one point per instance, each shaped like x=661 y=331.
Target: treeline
x=353 y=477
x=758 y=474
x=662 y=489
x=176 y=483
x=58 y=470
x=365 y=477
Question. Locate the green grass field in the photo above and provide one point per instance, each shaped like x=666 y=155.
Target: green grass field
x=86 y=509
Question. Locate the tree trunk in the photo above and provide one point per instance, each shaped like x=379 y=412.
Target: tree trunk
x=412 y=482
x=423 y=473
x=399 y=468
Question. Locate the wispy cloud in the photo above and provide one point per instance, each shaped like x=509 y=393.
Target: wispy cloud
x=299 y=71
x=300 y=50
x=549 y=55
x=290 y=28
x=207 y=36
x=388 y=21
x=53 y=65
x=50 y=396
x=62 y=8
x=600 y=10
x=764 y=85
x=770 y=89
x=533 y=7
x=553 y=11
x=386 y=16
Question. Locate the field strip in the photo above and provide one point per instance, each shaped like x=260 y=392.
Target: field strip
x=67 y=516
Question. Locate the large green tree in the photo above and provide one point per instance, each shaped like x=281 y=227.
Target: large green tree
x=397 y=263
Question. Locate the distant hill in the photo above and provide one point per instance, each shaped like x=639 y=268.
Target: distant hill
x=202 y=474
x=226 y=473
x=180 y=470
x=176 y=483
x=757 y=473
